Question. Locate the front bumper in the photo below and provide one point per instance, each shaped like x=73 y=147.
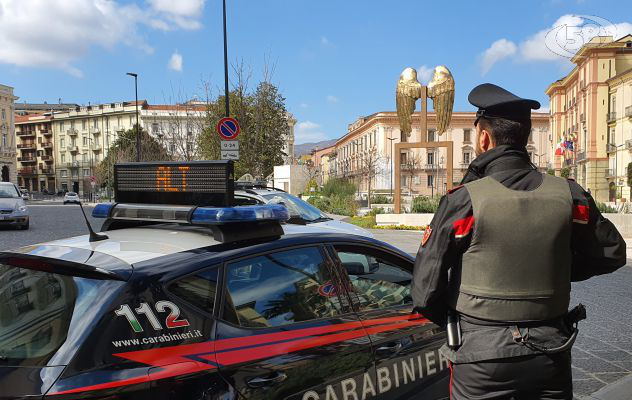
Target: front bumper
x=13 y=219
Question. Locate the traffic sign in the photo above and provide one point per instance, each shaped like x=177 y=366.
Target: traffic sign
x=230 y=155
x=229 y=144
x=228 y=128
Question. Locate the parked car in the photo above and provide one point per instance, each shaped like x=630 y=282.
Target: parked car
x=71 y=197
x=301 y=212
x=13 y=210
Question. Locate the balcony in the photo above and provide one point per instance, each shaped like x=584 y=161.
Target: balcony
x=628 y=111
x=72 y=164
x=464 y=165
x=97 y=147
x=47 y=158
x=612 y=116
x=25 y=133
x=581 y=156
x=27 y=159
x=28 y=145
x=73 y=149
x=47 y=171
x=72 y=132
x=47 y=145
x=610 y=173
x=27 y=171
x=46 y=132
x=95 y=131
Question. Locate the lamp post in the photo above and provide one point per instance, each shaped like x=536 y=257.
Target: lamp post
x=137 y=125
x=226 y=65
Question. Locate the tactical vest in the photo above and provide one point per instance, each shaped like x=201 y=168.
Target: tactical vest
x=517 y=267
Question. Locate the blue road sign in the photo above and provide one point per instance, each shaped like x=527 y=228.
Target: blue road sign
x=228 y=128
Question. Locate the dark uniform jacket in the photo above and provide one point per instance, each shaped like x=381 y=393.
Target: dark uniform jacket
x=597 y=248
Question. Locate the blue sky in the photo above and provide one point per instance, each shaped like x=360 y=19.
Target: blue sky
x=334 y=60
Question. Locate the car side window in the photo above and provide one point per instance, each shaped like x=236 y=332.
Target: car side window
x=280 y=288
x=198 y=290
x=377 y=280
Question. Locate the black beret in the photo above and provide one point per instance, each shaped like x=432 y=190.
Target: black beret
x=495 y=102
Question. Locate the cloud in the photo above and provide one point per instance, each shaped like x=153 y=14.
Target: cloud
x=307 y=132
x=173 y=14
x=500 y=49
x=557 y=43
x=332 y=99
x=324 y=41
x=424 y=74
x=57 y=33
x=175 y=62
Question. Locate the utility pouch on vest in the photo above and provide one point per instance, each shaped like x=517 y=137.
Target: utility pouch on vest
x=571 y=320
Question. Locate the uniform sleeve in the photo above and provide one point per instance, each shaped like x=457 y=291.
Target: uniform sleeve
x=438 y=253
x=597 y=245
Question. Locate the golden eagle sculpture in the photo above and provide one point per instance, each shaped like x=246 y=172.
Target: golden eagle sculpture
x=440 y=90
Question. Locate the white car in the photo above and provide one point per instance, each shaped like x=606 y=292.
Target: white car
x=71 y=197
x=301 y=212
x=13 y=210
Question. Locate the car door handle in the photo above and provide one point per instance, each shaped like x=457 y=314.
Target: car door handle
x=392 y=348
x=278 y=377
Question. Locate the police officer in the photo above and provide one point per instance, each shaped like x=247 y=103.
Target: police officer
x=499 y=257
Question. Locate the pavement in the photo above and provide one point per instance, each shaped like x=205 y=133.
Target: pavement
x=602 y=355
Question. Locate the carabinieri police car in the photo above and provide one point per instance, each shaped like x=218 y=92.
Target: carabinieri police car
x=205 y=299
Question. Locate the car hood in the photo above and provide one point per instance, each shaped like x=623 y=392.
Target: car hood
x=10 y=203
x=333 y=226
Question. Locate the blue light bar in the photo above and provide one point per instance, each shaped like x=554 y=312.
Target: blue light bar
x=226 y=215
x=102 y=210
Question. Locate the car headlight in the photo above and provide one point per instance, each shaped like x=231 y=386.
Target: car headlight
x=22 y=208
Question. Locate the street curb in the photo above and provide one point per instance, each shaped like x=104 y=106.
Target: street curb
x=619 y=390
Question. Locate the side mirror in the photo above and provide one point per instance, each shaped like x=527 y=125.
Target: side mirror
x=355 y=268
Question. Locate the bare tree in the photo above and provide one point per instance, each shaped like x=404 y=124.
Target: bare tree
x=370 y=166
x=411 y=164
x=311 y=171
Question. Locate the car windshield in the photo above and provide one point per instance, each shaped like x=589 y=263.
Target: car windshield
x=297 y=207
x=8 y=191
x=71 y=194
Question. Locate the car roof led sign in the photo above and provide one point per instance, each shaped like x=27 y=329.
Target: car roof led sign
x=180 y=183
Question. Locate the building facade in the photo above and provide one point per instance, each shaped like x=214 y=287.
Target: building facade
x=82 y=137
x=370 y=142
x=588 y=110
x=35 y=161
x=8 y=169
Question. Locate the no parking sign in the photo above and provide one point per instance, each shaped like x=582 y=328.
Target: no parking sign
x=228 y=128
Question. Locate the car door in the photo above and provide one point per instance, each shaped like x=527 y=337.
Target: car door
x=405 y=344
x=286 y=331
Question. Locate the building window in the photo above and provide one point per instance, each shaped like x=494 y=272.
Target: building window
x=130 y=118
x=466 y=157
x=62 y=143
x=85 y=141
x=417 y=179
x=4 y=115
x=431 y=135
x=430 y=180
x=63 y=158
x=107 y=122
x=466 y=135
x=83 y=124
x=86 y=172
x=403 y=181
x=118 y=121
x=61 y=126
x=154 y=128
x=95 y=123
x=72 y=124
x=531 y=136
x=430 y=158
x=64 y=173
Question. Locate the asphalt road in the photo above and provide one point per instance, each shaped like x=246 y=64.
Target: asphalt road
x=48 y=222
x=602 y=354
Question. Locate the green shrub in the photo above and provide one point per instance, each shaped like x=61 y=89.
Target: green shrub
x=425 y=204
x=565 y=172
x=376 y=211
x=366 y=222
x=401 y=227
x=342 y=205
x=604 y=208
x=380 y=199
x=339 y=187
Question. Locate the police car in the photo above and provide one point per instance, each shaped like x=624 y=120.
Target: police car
x=201 y=299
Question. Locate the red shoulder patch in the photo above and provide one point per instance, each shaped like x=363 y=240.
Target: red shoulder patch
x=454 y=189
x=426 y=236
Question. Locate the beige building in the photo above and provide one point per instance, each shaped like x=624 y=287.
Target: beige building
x=82 y=137
x=35 y=161
x=371 y=140
x=324 y=160
x=588 y=108
x=8 y=167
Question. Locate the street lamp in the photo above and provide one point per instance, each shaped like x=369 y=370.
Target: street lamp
x=137 y=125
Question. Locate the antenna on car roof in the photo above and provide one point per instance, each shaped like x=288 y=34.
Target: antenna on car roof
x=94 y=237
